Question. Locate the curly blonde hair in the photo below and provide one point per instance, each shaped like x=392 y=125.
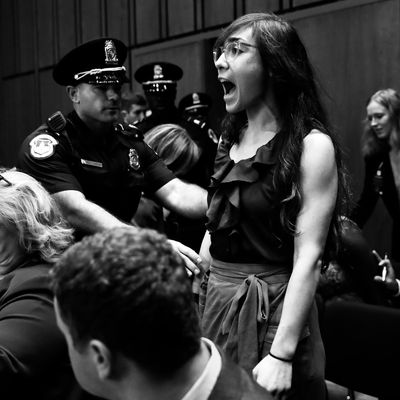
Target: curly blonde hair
x=29 y=210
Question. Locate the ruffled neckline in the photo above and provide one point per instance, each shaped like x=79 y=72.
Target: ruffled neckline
x=263 y=154
x=227 y=170
x=224 y=211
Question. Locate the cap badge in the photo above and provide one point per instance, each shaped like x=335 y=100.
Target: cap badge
x=158 y=72
x=134 y=159
x=42 y=146
x=110 y=52
x=195 y=98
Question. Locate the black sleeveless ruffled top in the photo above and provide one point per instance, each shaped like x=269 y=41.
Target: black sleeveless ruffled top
x=243 y=213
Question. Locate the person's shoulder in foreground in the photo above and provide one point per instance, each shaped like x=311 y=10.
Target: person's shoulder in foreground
x=33 y=354
x=117 y=293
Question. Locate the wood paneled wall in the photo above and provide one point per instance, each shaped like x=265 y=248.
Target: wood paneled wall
x=352 y=43
x=36 y=33
x=356 y=52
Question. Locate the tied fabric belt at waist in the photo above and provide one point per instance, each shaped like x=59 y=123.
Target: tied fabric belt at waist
x=240 y=301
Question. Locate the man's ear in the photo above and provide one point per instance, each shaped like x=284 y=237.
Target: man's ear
x=73 y=93
x=101 y=358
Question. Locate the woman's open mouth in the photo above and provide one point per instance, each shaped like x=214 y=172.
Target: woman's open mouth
x=228 y=87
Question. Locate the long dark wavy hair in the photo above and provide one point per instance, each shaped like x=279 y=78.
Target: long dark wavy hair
x=370 y=144
x=285 y=60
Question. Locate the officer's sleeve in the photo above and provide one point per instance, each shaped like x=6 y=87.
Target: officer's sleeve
x=156 y=172
x=53 y=171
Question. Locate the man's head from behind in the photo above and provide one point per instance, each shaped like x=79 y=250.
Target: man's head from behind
x=123 y=297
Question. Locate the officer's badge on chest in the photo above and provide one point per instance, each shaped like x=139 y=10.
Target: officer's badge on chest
x=134 y=159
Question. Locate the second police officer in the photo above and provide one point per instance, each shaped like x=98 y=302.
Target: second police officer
x=195 y=108
x=159 y=82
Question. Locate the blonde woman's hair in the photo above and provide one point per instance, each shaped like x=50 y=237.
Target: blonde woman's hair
x=29 y=210
x=390 y=99
x=174 y=145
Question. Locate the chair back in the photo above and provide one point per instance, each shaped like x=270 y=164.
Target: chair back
x=362 y=345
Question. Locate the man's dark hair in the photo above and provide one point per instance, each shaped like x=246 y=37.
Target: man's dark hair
x=129 y=289
x=129 y=98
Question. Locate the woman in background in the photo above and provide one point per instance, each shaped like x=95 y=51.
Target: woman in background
x=33 y=355
x=381 y=152
x=273 y=209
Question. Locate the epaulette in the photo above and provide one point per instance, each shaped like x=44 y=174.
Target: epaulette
x=198 y=122
x=144 y=125
x=202 y=128
x=129 y=130
x=56 y=123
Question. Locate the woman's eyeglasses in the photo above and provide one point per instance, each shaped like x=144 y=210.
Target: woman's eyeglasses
x=230 y=49
x=5 y=180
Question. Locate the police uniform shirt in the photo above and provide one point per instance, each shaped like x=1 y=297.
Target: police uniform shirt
x=112 y=174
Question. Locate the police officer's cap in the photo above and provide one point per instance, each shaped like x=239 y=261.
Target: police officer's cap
x=194 y=101
x=158 y=76
x=97 y=62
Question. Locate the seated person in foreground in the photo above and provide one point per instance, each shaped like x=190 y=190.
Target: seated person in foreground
x=124 y=302
x=33 y=354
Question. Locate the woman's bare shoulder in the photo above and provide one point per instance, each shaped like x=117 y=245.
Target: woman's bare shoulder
x=317 y=141
x=318 y=151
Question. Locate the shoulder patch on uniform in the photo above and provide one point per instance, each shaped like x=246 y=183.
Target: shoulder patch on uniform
x=42 y=146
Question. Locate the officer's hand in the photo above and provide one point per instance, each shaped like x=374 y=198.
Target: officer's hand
x=192 y=259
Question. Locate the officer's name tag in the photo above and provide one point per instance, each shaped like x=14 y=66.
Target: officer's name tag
x=92 y=163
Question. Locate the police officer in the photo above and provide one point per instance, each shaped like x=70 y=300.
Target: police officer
x=196 y=105
x=94 y=169
x=194 y=108
x=159 y=82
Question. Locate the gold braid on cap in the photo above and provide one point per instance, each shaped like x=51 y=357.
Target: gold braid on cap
x=96 y=71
